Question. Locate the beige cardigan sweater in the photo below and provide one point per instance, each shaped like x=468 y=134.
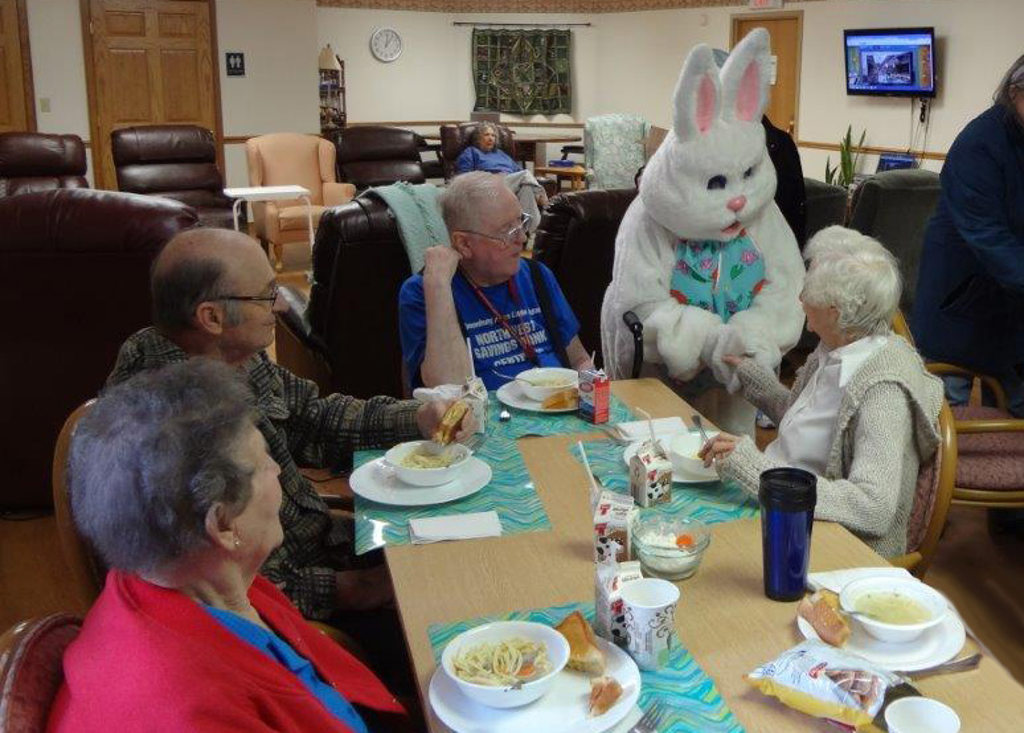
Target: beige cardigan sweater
x=887 y=425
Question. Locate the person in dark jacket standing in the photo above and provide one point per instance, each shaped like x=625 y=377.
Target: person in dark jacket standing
x=969 y=307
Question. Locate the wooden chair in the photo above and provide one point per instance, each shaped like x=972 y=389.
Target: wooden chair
x=31 y=670
x=990 y=442
x=932 y=500
x=934 y=487
x=87 y=570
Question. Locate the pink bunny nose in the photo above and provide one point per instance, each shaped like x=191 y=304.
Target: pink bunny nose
x=737 y=203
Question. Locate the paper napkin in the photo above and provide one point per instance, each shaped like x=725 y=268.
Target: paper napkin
x=836 y=579
x=455 y=527
x=638 y=430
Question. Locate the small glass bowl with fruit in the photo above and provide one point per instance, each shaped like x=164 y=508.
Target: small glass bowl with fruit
x=669 y=547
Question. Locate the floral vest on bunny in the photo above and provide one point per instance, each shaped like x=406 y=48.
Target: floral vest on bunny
x=720 y=277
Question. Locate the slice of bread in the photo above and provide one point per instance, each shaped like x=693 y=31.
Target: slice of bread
x=604 y=692
x=584 y=654
x=821 y=610
x=562 y=400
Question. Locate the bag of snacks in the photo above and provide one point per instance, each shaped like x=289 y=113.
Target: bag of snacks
x=825 y=682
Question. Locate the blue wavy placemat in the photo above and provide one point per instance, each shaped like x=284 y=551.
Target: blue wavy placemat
x=510 y=493
x=682 y=687
x=711 y=502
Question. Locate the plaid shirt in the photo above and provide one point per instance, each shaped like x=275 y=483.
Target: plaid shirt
x=300 y=428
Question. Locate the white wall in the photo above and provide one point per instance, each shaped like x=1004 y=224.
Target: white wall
x=629 y=62
x=279 y=90
x=624 y=62
x=58 y=69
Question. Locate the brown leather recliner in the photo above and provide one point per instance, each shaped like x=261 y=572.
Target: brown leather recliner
x=34 y=161
x=91 y=252
x=456 y=138
x=174 y=161
x=376 y=155
x=576 y=240
x=346 y=336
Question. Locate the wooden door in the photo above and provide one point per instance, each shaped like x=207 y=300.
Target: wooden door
x=17 y=107
x=786 y=30
x=152 y=62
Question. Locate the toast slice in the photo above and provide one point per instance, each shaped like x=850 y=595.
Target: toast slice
x=562 y=400
x=450 y=422
x=821 y=610
x=604 y=692
x=584 y=654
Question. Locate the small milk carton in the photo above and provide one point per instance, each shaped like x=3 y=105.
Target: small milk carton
x=613 y=516
x=475 y=393
x=609 y=615
x=650 y=475
x=595 y=396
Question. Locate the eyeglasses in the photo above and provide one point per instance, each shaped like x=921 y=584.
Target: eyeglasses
x=275 y=291
x=511 y=237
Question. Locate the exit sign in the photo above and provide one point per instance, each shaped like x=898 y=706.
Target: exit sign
x=764 y=4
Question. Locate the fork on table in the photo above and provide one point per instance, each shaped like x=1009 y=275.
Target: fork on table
x=650 y=721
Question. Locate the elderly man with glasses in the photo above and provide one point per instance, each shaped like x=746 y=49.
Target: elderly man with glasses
x=480 y=288
x=214 y=295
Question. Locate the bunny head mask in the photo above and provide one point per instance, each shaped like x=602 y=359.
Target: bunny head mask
x=712 y=176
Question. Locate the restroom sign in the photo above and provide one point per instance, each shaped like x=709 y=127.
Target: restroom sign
x=235 y=62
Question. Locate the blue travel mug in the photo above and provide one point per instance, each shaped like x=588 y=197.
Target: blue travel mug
x=787 y=497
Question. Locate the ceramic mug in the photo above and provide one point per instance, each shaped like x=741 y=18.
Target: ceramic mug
x=649 y=605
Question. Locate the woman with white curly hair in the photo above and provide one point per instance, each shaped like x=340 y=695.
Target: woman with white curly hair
x=862 y=414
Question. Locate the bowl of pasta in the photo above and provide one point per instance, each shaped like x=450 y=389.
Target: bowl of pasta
x=505 y=664
x=425 y=463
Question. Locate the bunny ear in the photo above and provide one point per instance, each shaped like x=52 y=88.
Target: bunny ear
x=745 y=78
x=697 y=99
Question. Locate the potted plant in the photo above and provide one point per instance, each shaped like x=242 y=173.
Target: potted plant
x=849 y=157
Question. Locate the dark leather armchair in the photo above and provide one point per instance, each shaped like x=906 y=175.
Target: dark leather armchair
x=826 y=205
x=456 y=138
x=346 y=337
x=174 y=161
x=33 y=161
x=894 y=207
x=81 y=259
x=576 y=239
x=376 y=156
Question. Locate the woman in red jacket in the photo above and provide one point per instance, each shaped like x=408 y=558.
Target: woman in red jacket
x=171 y=483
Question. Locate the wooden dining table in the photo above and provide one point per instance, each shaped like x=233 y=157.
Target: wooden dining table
x=723 y=616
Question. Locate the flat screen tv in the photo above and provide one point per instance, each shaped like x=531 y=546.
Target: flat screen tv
x=890 y=62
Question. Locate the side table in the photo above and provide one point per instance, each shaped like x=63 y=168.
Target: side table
x=576 y=174
x=272 y=193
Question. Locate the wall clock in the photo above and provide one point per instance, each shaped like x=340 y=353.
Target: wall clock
x=386 y=44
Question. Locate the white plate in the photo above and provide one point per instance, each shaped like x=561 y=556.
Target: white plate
x=703 y=477
x=511 y=394
x=563 y=708
x=379 y=483
x=935 y=646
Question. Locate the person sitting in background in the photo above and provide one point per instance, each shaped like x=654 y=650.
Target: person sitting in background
x=863 y=412
x=483 y=154
x=171 y=482
x=511 y=309
x=215 y=295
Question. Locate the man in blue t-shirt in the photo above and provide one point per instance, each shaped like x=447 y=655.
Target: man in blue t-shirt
x=481 y=288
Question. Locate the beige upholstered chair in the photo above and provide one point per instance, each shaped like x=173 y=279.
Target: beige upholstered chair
x=287 y=159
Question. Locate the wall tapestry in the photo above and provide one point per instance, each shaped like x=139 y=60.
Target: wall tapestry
x=522 y=71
